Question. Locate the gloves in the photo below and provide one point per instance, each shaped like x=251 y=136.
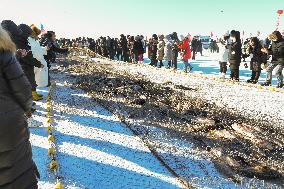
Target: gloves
x=28 y=114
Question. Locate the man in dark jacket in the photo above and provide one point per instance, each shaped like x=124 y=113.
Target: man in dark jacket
x=17 y=169
x=194 y=45
x=277 y=52
x=175 y=49
x=154 y=48
x=29 y=62
x=49 y=42
x=123 y=44
x=235 y=54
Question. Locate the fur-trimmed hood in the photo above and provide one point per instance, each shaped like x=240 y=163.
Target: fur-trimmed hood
x=275 y=36
x=6 y=43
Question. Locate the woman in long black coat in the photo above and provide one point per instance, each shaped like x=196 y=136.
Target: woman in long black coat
x=17 y=169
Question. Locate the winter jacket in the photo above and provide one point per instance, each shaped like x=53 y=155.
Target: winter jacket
x=138 y=47
x=277 y=52
x=160 y=49
x=235 y=54
x=28 y=62
x=223 y=52
x=194 y=45
x=41 y=74
x=153 y=49
x=185 y=50
x=257 y=58
x=17 y=169
x=168 y=49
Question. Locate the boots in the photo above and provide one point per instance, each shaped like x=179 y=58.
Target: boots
x=279 y=85
x=35 y=96
x=267 y=83
x=40 y=95
x=222 y=75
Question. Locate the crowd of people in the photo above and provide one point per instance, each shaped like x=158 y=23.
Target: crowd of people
x=167 y=48
x=25 y=60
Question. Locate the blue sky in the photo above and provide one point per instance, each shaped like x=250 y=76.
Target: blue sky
x=111 y=17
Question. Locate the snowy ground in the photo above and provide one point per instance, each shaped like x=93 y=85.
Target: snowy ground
x=186 y=160
x=95 y=149
x=245 y=100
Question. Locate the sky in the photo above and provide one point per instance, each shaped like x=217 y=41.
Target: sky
x=93 y=18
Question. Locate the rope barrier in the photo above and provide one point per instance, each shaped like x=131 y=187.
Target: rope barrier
x=51 y=152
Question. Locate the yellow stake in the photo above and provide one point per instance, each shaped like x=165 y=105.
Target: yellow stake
x=259 y=87
x=50 y=138
x=58 y=186
x=51 y=151
x=272 y=89
x=53 y=165
x=49 y=120
x=49 y=128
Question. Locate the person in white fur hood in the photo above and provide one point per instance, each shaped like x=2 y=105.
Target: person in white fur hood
x=41 y=74
x=223 y=52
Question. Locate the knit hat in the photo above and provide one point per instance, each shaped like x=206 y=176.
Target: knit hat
x=35 y=30
x=26 y=30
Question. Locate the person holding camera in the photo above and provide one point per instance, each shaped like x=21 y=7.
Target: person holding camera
x=49 y=41
x=254 y=51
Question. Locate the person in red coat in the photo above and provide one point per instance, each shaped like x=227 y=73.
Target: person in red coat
x=185 y=52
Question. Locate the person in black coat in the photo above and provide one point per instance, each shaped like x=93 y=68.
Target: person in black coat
x=28 y=62
x=19 y=36
x=154 y=49
x=257 y=57
x=277 y=52
x=138 y=49
x=175 y=49
x=17 y=169
x=235 y=54
x=49 y=42
x=194 y=45
x=123 y=44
